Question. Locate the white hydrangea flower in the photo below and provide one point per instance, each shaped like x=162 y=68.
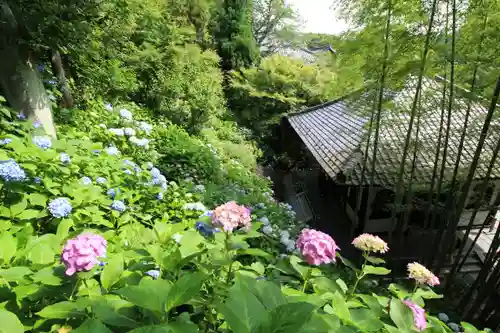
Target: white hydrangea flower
x=268 y=229
x=117 y=131
x=129 y=131
x=194 y=206
x=265 y=220
x=126 y=114
x=145 y=127
x=370 y=243
x=290 y=245
x=284 y=234
x=177 y=237
x=199 y=188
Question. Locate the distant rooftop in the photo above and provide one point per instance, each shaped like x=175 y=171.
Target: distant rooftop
x=305 y=54
x=336 y=133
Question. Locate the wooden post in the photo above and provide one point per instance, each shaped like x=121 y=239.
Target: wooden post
x=494 y=194
x=471 y=190
x=372 y=193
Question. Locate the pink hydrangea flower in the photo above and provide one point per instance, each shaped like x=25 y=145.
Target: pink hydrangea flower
x=418 y=315
x=316 y=247
x=421 y=274
x=82 y=252
x=230 y=216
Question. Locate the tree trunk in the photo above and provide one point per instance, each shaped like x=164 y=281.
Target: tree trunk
x=58 y=70
x=19 y=79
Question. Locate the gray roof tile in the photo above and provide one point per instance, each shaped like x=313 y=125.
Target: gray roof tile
x=334 y=131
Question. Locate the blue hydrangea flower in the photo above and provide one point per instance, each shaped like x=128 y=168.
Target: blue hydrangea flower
x=112 y=192
x=155 y=173
x=65 y=158
x=119 y=206
x=86 y=180
x=21 y=116
x=37 y=180
x=443 y=317
x=137 y=168
x=145 y=127
x=149 y=165
x=117 y=131
x=5 y=141
x=108 y=107
x=100 y=180
x=112 y=151
x=205 y=229
x=43 y=142
x=127 y=172
x=261 y=278
x=37 y=124
x=206 y=213
x=11 y=171
x=164 y=186
x=142 y=142
x=41 y=68
x=129 y=131
x=96 y=151
x=128 y=162
x=454 y=327
x=159 y=196
x=159 y=180
x=52 y=82
x=60 y=207
x=126 y=114
x=154 y=273
x=265 y=220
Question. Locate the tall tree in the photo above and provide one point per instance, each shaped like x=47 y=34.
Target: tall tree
x=19 y=80
x=233 y=35
x=274 y=24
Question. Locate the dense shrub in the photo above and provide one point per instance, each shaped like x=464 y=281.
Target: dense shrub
x=182 y=155
x=96 y=240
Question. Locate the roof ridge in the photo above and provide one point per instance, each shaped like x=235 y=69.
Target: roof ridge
x=319 y=106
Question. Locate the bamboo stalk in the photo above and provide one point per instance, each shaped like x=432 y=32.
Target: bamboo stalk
x=400 y=180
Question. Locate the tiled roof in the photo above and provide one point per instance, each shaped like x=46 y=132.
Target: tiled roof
x=336 y=133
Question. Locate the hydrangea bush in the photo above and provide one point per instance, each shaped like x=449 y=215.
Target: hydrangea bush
x=98 y=242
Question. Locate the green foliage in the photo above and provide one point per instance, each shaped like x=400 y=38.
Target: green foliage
x=261 y=95
x=160 y=273
x=129 y=49
x=189 y=91
x=183 y=154
x=163 y=272
x=233 y=142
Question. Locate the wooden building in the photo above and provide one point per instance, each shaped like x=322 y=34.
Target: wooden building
x=331 y=148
